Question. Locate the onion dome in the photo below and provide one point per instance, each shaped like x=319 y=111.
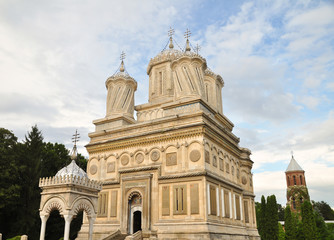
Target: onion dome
x=72 y=169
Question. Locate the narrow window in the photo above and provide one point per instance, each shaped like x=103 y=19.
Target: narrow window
x=294 y=203
x=246 y=211
x=226 y=204
x=213 y=202
x=180 y=197
x=189 y=79
x=206 y=92
x=177 y=199
x=294 y=180
x=178 y=81
x=301 y=180
x=126 y=98
x=237 y=205
x=103 y=204
x=160 y=82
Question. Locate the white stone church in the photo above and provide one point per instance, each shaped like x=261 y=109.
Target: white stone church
x=176 y=171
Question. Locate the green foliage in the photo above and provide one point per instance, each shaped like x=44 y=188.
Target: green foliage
x=21 y=166
x=271 y=218
x=281 y=233
x=267 y=215
x=262 y=218
x=300 y=231
x=324 y=209
x=9 y=187
x=290 y=225
x=281 y=211
x=308 y=220
x=15 y=238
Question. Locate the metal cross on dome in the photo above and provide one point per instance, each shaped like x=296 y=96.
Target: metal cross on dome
x=76 y=137
x=197 y=48
x=171 y=32
x=187 y=34
x=122 y=57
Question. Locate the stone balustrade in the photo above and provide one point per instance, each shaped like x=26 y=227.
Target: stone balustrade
x=70 y=179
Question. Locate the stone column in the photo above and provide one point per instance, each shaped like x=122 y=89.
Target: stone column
x=24 y=237
x=44 y=219
x=68 y=219
x=91 y=225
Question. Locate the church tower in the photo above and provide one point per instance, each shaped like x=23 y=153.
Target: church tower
x=297 y=191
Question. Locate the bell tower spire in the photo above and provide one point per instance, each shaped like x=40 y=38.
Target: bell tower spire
x=297 y=191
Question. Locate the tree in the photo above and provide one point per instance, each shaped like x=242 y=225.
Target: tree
x=289 y=224
x=262 y=219
x=271 y=218
x=324 y=209
x=281 y=211
x=30 y=155
x=281 y=233
x=308 y=220
x=9 y=188
x=54 y=157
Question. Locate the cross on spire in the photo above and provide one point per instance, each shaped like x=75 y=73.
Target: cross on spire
x=75 y=137
x=197 y=48
x=171 y=32
x=187 y=34
x=292 y=153
x=122 y=57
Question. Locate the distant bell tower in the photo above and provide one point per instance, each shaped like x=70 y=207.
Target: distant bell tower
x=297 y=191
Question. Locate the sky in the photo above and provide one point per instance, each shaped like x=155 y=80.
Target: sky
x=276 y=59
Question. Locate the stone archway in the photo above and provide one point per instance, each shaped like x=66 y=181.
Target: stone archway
x=135 y=212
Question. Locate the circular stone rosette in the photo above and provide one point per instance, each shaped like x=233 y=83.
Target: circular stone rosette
x=139 y=158
x=155 y=155
x=124 y=160
x=93 y=169
x=195 y=155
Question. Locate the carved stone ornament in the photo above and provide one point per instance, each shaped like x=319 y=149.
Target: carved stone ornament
x=195 y=155
x=139 y=158
x=171 y=159
x=93 y=169
x=214 y=161
x=111 y=167
x=207 y=156
x=125 y=160
x=244 y=180
x=155 y=155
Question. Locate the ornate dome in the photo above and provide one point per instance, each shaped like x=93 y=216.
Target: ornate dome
x=72 y=169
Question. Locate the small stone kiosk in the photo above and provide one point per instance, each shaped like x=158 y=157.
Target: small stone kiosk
x=69 y=192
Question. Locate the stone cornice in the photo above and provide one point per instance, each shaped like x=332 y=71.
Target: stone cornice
x=69 y=180
x=147 y=138
x=144 y=168
x=223 y=180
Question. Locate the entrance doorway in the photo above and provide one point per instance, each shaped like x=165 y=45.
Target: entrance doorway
x=135 y=213
x=136 y=221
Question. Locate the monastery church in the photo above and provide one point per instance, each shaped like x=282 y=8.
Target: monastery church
x=176 y=171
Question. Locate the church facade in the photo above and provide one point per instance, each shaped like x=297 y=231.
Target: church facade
x=177 y=170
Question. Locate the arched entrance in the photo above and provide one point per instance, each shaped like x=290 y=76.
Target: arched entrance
x=136 y=221
x=135 y=212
